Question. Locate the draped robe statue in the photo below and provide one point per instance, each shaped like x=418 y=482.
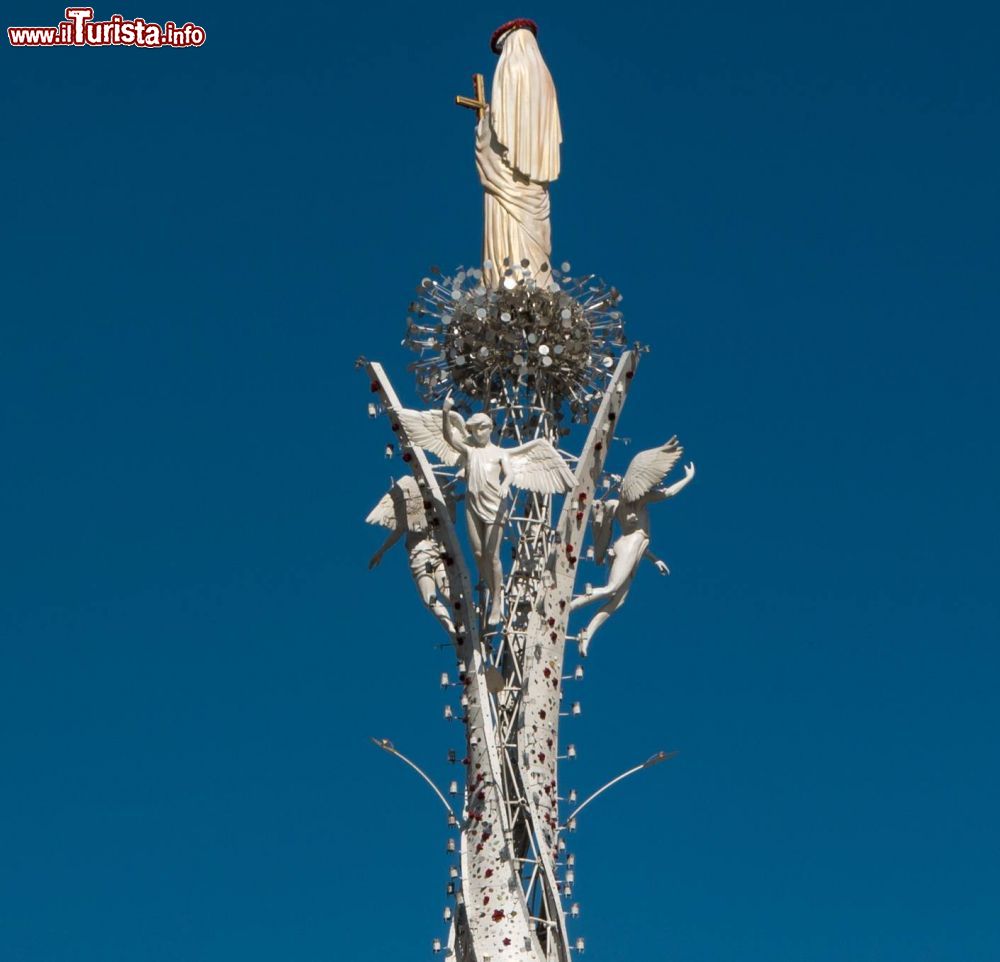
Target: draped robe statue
x=517 y=156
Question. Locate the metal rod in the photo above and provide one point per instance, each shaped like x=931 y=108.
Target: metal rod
x=387 y=746
x=648 y=763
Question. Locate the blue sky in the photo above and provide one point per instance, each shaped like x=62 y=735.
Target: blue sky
x=800 y=206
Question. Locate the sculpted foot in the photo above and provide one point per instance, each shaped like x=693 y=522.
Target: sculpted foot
x=496 y=614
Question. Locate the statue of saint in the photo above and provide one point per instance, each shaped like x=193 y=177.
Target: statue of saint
x=638 y=491
x=490 y=471
x=402 y=511
x=517 y=156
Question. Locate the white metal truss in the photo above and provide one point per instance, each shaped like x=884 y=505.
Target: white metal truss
x=509 y=902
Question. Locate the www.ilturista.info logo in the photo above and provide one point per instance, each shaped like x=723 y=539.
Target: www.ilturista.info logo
x=79 y=29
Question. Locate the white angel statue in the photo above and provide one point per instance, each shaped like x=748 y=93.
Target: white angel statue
x=402 y=511
x=535 y=466
x=638 y=491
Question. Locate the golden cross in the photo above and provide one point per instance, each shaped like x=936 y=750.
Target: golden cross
x=478 y=103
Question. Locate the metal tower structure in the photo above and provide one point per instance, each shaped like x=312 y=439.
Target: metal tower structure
x=543 y=354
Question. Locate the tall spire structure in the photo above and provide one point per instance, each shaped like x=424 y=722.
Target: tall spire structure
x=536 y=357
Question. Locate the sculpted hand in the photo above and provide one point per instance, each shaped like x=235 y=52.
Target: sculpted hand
x=484 y=132
x=376 y=558
x=504 y=488
x=689 y=471
x=661 y=566
x=448 y=403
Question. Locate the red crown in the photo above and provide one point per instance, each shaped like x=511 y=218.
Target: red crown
x=496 y=41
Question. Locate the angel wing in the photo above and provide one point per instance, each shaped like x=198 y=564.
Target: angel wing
x=423 y=428
x=384 y=513
x=649 y=468
x=537 y=466
x=402 y=506
x=604 y=518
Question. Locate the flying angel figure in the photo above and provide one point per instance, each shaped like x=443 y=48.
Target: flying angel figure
x=535 y=466
x=401 y=510
x=639 y=489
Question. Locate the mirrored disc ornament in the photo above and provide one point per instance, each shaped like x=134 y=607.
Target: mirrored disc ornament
x=495 y=339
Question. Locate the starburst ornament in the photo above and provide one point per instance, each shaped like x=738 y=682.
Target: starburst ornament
x=559 y=342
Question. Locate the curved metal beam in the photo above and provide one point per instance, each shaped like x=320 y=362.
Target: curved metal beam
x=387 y=746
x=648 y=763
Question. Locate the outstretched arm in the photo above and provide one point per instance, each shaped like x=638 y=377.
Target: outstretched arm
x=386 y=545
x=661 y=494
x=451 y=436
x=661 y=566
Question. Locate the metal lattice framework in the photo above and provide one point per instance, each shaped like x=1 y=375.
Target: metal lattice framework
x=510 y=900
x=544 y=357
